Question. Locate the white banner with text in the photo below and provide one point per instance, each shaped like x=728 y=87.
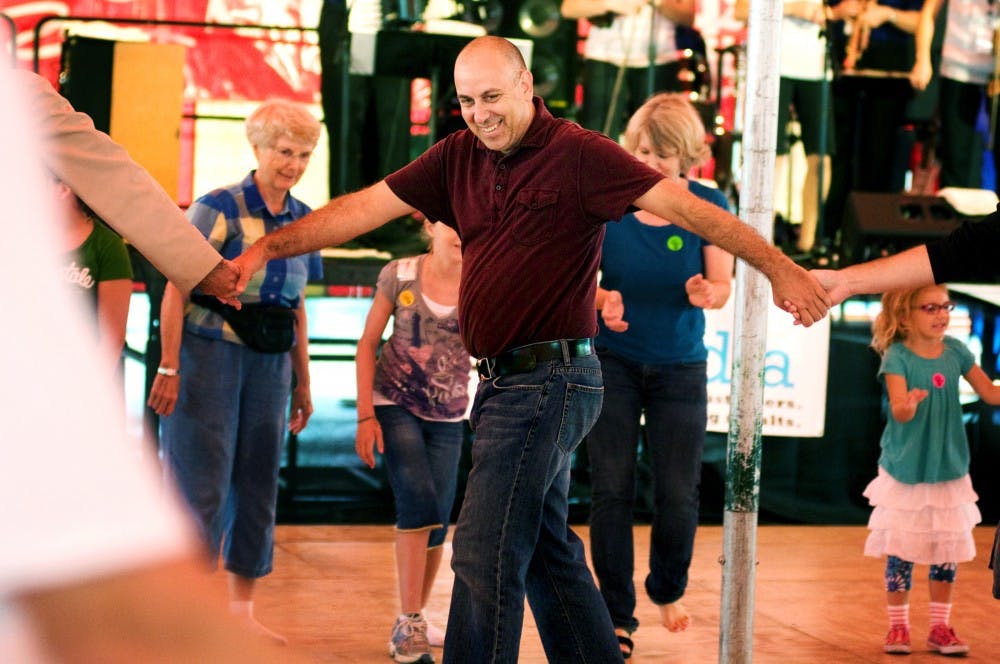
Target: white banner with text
x=795 y=371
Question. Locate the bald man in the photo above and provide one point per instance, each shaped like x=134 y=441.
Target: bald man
x=529 y=195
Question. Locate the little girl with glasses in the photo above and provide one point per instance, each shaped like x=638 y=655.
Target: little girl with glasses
x=924 y=503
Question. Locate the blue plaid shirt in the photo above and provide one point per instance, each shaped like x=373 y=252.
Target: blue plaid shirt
x=233 y=218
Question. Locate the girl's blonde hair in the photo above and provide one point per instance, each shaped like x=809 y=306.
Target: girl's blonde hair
x=890 y=325
x=673 y=125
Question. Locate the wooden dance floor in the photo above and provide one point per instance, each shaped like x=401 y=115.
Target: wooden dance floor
x=333 y=595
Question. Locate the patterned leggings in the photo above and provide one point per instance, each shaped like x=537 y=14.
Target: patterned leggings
x=899 y=574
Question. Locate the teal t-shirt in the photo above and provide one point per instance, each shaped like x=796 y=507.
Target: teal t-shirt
x=101 y=257
x=932 y=447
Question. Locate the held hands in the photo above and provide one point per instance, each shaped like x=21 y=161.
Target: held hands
x=799 y=293
x=223 y=283
x=302 y=409
x=368 y=438
x=613 y=312
x=249 y=263
x=700 y=292
x=835 y=284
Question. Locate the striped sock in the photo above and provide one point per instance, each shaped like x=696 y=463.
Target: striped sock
x=940 y=613
x=899 y=614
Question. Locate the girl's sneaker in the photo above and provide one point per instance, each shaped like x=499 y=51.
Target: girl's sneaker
x=408 y=644
x=897 y=641
x=943 y=640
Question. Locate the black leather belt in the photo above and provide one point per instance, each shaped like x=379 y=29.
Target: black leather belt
x=526 y=358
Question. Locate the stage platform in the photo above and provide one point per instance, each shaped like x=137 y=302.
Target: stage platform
x=818 y=599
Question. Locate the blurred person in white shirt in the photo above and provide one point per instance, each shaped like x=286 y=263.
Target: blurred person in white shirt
x=100 y=562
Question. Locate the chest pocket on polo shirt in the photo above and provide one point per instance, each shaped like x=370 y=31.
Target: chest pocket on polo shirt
x=534 y=215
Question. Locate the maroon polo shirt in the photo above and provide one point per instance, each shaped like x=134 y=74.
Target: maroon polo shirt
x=531 y=224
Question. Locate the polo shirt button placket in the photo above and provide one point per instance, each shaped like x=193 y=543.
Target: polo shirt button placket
x=499 y=184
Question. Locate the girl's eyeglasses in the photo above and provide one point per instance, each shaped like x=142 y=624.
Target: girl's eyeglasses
x=934 y=308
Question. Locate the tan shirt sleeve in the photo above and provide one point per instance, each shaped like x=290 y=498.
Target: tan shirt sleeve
x=120 y=191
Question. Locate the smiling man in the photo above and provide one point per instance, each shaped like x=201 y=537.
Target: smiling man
x=528 y=195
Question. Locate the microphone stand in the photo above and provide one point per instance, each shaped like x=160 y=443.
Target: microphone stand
x=993 y=89
x=617 y=88
x=651 y=51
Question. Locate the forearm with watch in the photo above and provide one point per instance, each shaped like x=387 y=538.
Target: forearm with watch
x=171 y=331
x=166 y=384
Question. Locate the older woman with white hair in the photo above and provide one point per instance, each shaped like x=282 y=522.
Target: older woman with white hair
x=225 y=375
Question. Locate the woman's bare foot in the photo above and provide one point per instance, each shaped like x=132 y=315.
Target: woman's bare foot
x=624 y=642
x=243 y=611
x=271 y=636
x=675 y=617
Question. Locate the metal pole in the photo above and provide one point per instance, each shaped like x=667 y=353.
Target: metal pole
x=824 y=123
x=752 y=302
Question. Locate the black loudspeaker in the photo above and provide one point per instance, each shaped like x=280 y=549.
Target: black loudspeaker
x=879 y=224
x=554 y=59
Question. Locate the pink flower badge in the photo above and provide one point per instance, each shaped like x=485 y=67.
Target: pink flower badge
x=938 y=380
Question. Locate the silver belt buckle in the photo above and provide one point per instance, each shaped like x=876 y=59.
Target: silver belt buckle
x=485 y=368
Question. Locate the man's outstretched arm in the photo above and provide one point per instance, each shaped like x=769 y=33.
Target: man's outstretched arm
x=908 y=269
x=342 y=219
x=793 y=288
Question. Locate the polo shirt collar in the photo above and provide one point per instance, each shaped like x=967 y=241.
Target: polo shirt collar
x=255 y=202
x=539 y=127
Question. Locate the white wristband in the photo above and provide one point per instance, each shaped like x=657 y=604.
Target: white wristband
x=164 y=371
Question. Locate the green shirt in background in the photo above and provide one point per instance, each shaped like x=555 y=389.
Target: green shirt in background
x=101 y=257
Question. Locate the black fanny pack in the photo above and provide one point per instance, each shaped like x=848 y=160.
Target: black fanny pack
x=266 y=328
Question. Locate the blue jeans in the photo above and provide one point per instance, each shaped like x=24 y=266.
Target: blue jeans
x=222 y=446
x=512 y=538
x=421 y=457
x=673 y=398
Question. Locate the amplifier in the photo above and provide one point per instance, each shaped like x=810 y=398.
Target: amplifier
x=879 y=224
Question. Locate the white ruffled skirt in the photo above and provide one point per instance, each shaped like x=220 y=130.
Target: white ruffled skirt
x=929 y=523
